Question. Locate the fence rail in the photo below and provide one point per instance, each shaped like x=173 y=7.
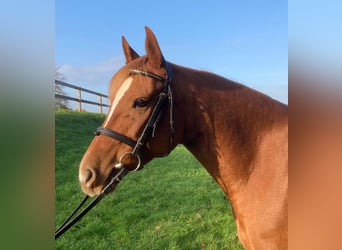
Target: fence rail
x=79 y=99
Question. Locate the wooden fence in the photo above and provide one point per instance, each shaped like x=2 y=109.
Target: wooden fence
x=79 y=99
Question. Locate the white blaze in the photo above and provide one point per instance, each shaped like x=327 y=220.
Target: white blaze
x=121 y=92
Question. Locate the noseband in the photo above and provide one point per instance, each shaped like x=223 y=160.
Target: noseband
x=149 y=130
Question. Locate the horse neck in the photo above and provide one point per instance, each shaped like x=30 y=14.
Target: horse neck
x=223 y=122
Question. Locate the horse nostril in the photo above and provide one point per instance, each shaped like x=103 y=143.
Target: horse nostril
x=88 y=177
x=89 y=174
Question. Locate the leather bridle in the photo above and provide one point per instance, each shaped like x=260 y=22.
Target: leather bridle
x=165 y=94
x=148 y=132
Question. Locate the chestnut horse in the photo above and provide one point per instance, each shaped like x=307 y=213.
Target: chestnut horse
x=238 y=134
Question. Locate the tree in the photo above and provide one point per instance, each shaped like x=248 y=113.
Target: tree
x=60 y=103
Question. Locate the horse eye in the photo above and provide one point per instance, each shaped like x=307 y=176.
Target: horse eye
x=140 y=103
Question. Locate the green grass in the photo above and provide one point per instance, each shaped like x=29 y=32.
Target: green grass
x=172 y=203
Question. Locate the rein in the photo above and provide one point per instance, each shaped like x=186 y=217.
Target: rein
x=149 y=131
x=70 y=221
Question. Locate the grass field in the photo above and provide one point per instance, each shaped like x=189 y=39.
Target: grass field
x=172 y=203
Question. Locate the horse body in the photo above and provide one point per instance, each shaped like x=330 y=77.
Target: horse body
x=238 y=134
x=240 y=137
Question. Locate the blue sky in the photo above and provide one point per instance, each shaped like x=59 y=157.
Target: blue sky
x=246 y=41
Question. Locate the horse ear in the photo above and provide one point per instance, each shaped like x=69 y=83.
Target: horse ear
x=130 y=53
x=154 y=55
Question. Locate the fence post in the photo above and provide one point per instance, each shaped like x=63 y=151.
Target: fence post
x=100 y=103
x=78 y=98
x=79 y=105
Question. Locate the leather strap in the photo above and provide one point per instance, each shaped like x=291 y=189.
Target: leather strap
x=115 y=135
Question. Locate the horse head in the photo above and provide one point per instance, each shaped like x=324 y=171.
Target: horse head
x=128 y=138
